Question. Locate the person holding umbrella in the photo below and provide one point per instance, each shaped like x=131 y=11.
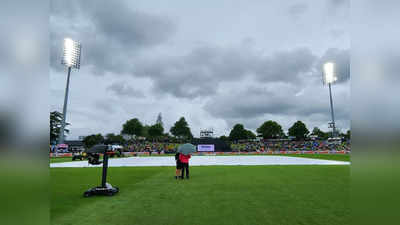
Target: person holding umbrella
x=178 y=166
x=185 y=150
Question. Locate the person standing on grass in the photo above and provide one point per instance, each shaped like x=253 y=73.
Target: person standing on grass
x=185 y=164
x=178 y=166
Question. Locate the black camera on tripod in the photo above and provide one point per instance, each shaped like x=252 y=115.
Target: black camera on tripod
x=93 y=155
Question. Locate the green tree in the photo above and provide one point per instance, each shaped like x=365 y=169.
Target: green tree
x=145 y=131
x=156 y=130
x=322 y=135
x=92 y=140
x=55 y=126
x=348 y=135
x=299 y=130
x=270 y=129
x=132 y=127
x=114 y=139
x=181 y=129
x=250 y=134
x=238 y=133
x=159 y=120
x=224 y=138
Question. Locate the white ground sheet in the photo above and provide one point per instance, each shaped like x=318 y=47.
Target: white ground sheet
x=206 y=161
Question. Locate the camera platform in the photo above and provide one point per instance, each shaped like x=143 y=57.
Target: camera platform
x=108 y=190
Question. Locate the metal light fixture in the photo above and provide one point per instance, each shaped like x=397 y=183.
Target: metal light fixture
x=329 y=73
x=72 y=54
x=71 y=59
x=329 y=77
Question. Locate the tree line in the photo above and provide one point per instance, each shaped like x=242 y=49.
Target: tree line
x=272 y=130
x=134 y=128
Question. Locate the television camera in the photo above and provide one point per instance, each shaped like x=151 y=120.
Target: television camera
x=93 y=156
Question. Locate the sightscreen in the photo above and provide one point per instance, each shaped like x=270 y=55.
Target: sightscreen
x=205 y=148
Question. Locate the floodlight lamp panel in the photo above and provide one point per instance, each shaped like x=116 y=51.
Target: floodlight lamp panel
x=329 y=73
x=72 y=53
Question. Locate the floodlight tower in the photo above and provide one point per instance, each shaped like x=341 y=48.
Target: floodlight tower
x=71 y=59
x=329 y=77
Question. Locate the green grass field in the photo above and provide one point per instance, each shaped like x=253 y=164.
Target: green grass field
x=60 y=159
x=231 y=195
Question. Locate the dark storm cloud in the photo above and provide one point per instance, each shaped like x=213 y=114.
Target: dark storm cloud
x=122 y=89
x=111 y=42
x=129 y=27
x=254 y=103
x=297 y=9
x=111 y=32
x=200 y=72
x=284 y=98
x=197 y=73
x=199 y=66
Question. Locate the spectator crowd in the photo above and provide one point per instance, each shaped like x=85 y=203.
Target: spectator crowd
x=166 y=147
x=286 y=145
x=148 y=146
x=247 y=146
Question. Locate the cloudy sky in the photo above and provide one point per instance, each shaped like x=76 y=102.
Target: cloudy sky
x=216 y=63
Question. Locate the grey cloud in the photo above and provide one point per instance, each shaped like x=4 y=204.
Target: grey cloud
x=297 y=9
x=132 y=28
x=122 y=89
x=337 y=33
x=338 y=7
x=338 y=3
x=200 y=72
x=92 y=114
x=254 y=103
x=197 y=73
x=109 y=40
x=65 y=9
x=286 y=65
x=118 y=39
x=105 y=105
x=110 y=43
